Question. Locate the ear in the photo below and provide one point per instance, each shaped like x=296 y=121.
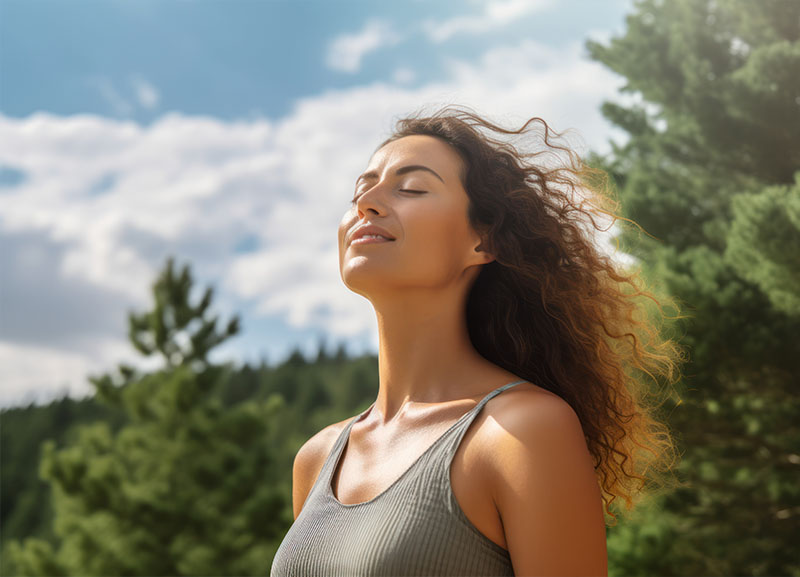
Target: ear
x=486 y=256
x=478 y=250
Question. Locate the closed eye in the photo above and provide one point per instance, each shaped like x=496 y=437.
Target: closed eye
x=355 y=199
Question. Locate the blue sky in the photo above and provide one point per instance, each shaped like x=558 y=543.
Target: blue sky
x=229 y=134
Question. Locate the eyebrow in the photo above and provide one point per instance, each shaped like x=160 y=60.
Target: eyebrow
x=401 y=170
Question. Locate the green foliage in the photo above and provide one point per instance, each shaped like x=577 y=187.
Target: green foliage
x=763 y=241
x=710 y=172
x=184 y=487
x=182 y=471
x=161 y=329
x=25 y=507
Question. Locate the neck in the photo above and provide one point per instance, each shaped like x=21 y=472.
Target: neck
x=426 y=356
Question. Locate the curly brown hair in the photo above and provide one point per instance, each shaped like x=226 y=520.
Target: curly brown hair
x=553 y=307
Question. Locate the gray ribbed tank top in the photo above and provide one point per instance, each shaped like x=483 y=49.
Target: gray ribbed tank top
x=415 y=527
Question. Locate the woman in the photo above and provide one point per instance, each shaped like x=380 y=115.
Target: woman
x=506 y=343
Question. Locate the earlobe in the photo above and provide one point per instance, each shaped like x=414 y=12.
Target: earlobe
x=487 y=257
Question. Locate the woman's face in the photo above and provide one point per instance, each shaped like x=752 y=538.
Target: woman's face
x=424 y=209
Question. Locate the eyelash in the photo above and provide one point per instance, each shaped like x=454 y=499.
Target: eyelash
x=401 y=190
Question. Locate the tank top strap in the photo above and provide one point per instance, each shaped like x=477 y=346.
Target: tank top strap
x=456 y=433
x=326 y=472
x=476 y=409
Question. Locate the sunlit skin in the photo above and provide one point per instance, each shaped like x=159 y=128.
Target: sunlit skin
x=417 y=284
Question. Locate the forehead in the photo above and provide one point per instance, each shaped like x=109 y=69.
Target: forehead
x=419 y=149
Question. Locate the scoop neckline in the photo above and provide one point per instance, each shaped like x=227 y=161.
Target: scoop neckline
x=404 y=473
x=337 y=459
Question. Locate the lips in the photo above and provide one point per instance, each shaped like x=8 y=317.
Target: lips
x=370 y=229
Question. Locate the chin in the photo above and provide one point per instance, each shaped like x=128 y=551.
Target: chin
x=361 y=280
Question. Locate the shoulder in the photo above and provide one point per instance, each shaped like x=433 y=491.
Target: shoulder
x=527 y=410
x=532 y=425
x=544 y=485
x=521 y=410
x=309 y=459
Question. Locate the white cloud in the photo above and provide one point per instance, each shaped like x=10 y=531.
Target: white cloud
x=346 y=52
x=404 y=75
x=495 y=14
x=116 y=197
x=39 y=374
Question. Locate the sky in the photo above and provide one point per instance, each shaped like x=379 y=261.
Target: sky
x=229 y=135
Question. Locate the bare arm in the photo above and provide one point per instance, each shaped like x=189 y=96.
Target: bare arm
x=546 y=491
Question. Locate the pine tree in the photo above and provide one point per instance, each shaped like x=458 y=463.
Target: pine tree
x=712 y=172
x=187 y=487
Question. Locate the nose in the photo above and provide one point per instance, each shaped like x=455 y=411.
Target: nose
x=371 y=200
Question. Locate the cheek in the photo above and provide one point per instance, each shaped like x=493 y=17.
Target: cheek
x=344 y=226
x=437 y=234
x=341 y=236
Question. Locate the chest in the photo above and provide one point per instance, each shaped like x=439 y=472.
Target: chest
x=364 y=473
